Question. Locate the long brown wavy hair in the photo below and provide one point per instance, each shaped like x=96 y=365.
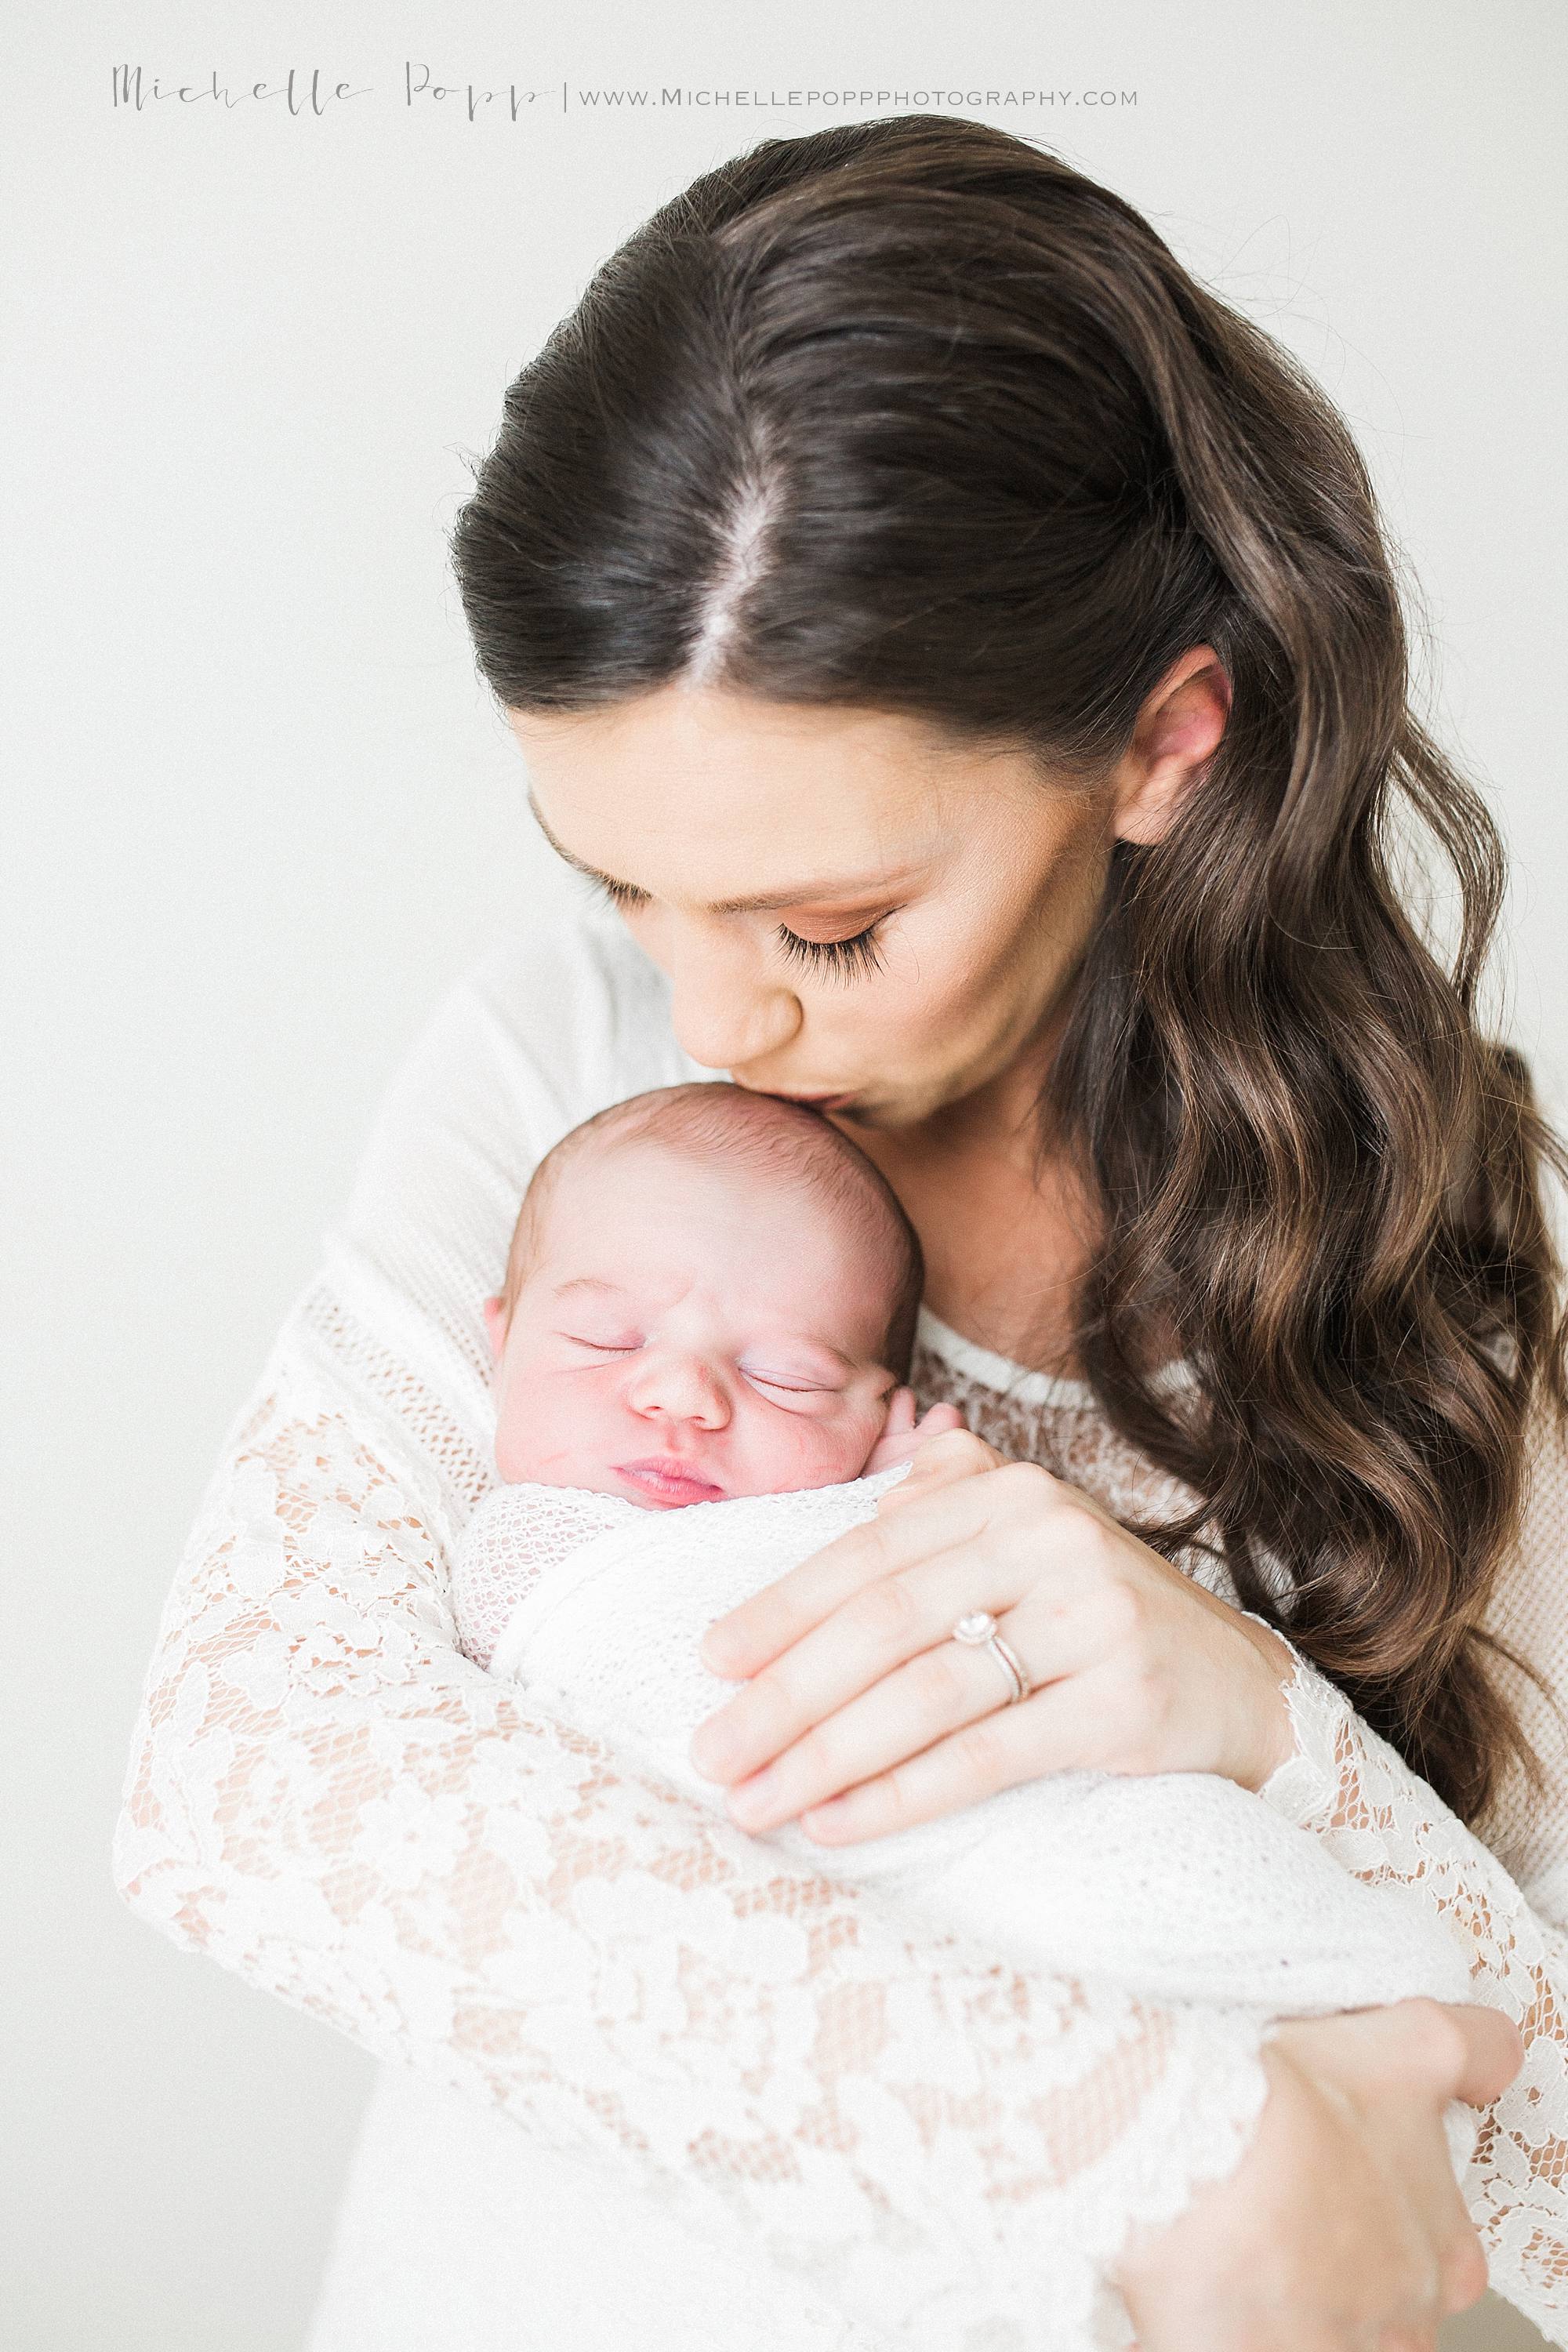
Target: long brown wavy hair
x=935 y=425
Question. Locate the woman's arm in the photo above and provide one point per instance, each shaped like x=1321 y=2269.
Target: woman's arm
x=1134 y=1688
x=1385 y=1823
x=328 y=1798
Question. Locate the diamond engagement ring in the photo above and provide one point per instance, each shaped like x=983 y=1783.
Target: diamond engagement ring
x=978 y=1630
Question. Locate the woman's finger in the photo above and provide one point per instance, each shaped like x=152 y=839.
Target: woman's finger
x=1393 y=2069
x=886 y=1758
x=994 y=1748
x=878 y=1628
x=925 y=1571
x=1337 y=2226
x=1452 y=2049
x=743 y=1641
x=1492 y=2051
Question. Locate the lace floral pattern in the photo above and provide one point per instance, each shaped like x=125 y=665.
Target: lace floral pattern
x=328 y=1798
x=1178 y=1886
x=1386 y=1825
x=1356 y=1794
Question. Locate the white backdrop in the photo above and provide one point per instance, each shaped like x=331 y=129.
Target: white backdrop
x=264 y=813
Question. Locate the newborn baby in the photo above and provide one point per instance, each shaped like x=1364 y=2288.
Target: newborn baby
x=710 y=1293
x=701 y=1344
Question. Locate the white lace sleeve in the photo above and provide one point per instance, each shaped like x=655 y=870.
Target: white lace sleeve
x=326 y=1796
x=1385 y=1823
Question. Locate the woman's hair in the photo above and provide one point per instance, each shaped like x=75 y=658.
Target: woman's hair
x=715 y=1123
x=911 y=415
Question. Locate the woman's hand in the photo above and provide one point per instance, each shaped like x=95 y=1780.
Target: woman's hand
x=861 y=1715
x=1343 y=2229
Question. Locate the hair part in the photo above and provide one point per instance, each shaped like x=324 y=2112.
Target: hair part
x=911 y=416
x=718 y=1123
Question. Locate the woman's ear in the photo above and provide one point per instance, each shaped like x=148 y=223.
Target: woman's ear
x=495 y=1324
x=1179 y=730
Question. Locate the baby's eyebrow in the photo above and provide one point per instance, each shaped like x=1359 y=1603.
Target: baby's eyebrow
x=587 y=1282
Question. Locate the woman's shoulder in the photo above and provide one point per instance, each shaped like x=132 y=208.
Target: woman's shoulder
x=556 y=1019
x=552 y=1022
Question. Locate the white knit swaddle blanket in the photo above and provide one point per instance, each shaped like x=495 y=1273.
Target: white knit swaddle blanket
x=1179 y=1885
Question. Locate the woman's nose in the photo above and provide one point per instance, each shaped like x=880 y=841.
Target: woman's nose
x=724 y=1013
x=676 y=1385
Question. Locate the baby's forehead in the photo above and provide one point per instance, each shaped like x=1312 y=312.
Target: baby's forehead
x=694 y=1173
x=618 y=1181
x=603 y=1172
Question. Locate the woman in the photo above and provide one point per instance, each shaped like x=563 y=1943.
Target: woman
x=969 y=656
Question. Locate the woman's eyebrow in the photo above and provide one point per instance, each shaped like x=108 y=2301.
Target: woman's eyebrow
x=855 y=887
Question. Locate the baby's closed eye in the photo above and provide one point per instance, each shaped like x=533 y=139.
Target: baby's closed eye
x=790 y=1388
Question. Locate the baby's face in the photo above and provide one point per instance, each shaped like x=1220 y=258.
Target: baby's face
x=688 y=1333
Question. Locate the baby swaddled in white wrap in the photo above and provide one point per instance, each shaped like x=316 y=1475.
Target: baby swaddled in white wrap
x=709 y=1307
x=1178 y=1885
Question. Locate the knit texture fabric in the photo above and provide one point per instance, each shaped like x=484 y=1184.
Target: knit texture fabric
x=1179 y=1885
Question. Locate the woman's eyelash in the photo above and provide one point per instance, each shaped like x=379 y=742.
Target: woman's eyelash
x=846 y=959
x=849 y=959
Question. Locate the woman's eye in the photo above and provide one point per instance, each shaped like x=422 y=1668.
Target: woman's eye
x=845 y=958
x=849 y=959
x=619 y=894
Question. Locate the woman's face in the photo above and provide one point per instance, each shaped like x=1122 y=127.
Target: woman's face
x=847 y=903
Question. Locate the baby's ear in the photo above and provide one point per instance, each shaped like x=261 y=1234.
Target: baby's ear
x=495 y=1324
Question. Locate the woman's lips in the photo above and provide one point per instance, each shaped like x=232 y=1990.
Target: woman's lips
x=668 y=1482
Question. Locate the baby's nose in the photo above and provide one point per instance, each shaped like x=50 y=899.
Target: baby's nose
x=681 y=1386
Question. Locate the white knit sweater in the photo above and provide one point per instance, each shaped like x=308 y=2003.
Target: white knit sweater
x=651 y=2082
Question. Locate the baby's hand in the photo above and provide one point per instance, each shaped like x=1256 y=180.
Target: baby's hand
x=903 y=1435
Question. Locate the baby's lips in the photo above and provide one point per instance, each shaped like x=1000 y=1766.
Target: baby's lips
x=672 y=1480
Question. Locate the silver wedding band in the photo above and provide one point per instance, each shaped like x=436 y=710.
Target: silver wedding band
x=977 y=1631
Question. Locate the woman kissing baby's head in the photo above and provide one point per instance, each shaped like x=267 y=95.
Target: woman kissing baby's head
x=710 y=1292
